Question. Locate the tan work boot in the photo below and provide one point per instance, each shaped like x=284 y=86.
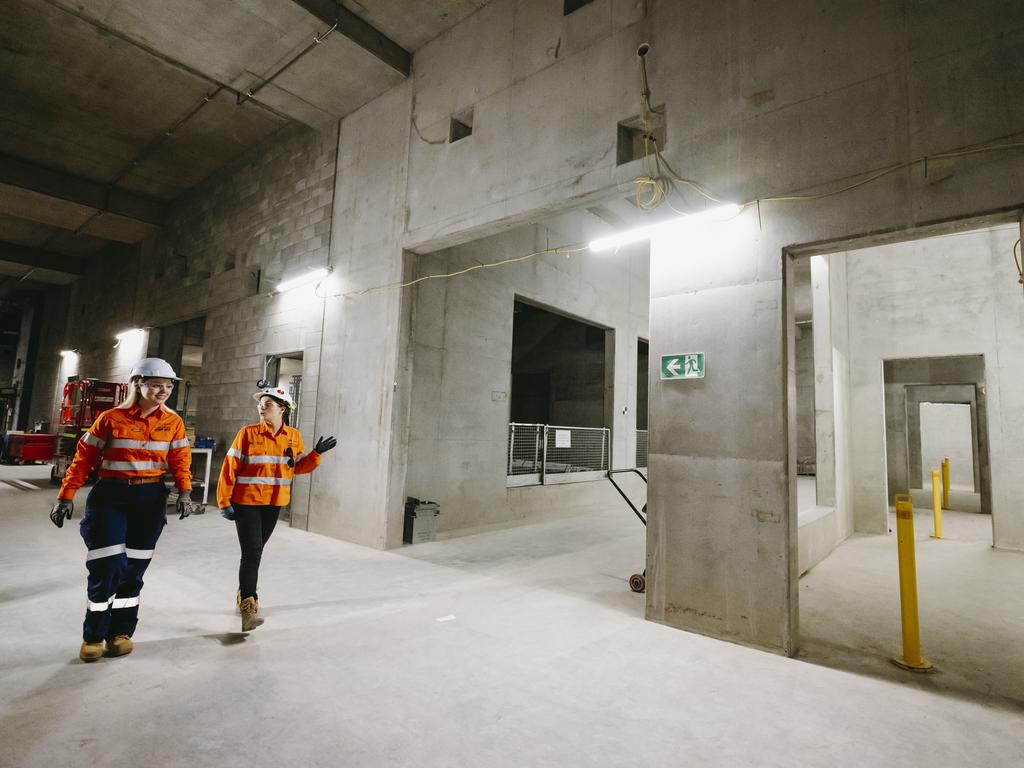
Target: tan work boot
x=250 y=614
x=90 y=651
x=120 y=646
x=238 y=603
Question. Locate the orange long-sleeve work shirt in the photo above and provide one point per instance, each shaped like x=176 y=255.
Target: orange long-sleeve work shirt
x=124 y=443
x=256 y=469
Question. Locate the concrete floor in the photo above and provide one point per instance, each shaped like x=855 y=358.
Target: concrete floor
x=518 y=647
x=969 y=596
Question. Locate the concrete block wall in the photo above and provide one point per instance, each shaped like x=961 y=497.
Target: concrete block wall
x=462 y=356
x=221 y=251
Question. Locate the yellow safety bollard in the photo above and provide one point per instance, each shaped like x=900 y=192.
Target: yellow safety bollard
x=937 y=504
x=911 y=658
x=945 y=483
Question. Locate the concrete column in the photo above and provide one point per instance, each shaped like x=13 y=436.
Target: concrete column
x=362 y=390
x=722 y=529
x=623 y=382
x=824 y=413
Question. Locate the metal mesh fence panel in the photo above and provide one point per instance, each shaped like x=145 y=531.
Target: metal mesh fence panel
x=525 y=449
x=576 y=449
x=641 y=448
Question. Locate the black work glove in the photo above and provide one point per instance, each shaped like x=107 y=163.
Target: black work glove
x=61 y=510
x=184 y=507
x=228 y=513
x=324 y=444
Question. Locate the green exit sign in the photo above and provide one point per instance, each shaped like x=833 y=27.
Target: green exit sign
x=688 y=365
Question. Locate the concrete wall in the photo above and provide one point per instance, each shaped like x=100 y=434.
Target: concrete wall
x=832 y=521
x=903 y=437
x=977 y=425
x=805 y=425
x=951 y=295
x=462 y=357
x=907 y=384
x=946 y=432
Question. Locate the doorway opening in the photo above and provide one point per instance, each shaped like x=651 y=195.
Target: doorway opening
x=284 y=370
x=889 y=403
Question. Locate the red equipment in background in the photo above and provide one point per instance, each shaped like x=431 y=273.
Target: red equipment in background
x=28 y=448
x=82 y=402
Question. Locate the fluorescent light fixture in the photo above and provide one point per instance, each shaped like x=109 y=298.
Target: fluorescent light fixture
x=130 y=332
x=68 y=352
x=309 y=277
x=711 y=215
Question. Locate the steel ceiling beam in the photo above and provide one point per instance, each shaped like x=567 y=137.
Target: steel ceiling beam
x=91 y=194
x=33 y=257
x=360 y=32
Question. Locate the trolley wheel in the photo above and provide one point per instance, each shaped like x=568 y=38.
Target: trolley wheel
x=637 y=582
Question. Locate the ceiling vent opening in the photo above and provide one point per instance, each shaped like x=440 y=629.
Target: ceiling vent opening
x=461 y=126
x=574 y=5
x=631 y=146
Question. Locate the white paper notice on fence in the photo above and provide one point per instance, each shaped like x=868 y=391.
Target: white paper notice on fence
x=563 y=438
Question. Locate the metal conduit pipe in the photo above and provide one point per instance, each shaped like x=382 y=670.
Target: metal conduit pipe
x=250 y=93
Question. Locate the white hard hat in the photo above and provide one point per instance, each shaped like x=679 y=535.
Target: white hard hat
x=277 y=393
x=155 y=368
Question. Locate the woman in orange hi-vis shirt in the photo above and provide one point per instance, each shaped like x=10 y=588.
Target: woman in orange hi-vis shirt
x=255 y=482
x=133 y=444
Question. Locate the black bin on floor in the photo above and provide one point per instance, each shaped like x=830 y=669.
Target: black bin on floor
x=420 y=521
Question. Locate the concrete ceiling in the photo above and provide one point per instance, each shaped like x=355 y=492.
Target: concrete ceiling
x=110 y=109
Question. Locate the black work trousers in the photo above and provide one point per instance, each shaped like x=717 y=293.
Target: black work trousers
x=254 y=524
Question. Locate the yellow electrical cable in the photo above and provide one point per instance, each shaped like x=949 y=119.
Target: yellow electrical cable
x=568 y=250
x=1016 y=261
x=892 y=169
x=658 y=196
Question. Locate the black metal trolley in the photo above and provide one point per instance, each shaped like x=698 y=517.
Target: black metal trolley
x=638 y=581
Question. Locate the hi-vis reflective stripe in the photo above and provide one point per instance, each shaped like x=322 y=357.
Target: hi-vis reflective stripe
x=264 y=480
x=145 y=445
x=98 y=554
x=133 y=465
x=139 y=554
x=114 y=602
x=92 y=440
x=265 y=459
x=183 y=443
x=235 y=453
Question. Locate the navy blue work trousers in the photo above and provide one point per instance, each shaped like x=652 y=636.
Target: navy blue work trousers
x=121 y=526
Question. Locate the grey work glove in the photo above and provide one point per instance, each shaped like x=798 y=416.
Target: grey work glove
x=228 y=513
x=324 y=444
x=61 y=510
x=184 y=507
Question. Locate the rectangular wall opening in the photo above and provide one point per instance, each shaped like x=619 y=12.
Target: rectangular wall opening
x=898 y=405
x=560 y=397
